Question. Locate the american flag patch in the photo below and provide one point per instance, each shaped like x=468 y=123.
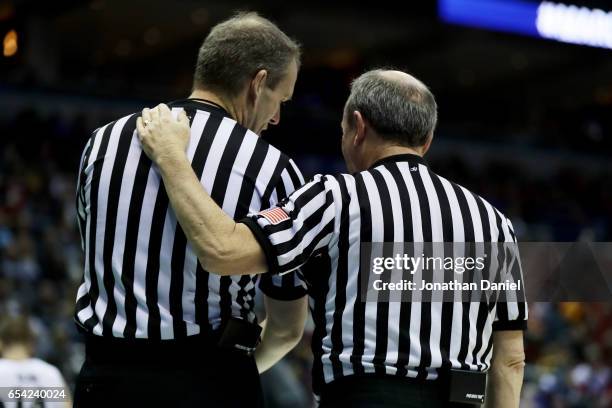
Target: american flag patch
x=275 y=215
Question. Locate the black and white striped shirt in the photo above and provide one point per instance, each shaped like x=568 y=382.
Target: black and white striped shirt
x=141 y=277
x=399 y=199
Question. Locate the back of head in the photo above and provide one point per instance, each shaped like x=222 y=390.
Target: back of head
x=399 y=107
x=16 y=331
x=236 y=49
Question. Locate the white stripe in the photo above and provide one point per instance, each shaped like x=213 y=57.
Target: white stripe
x=494 y=271
x=352 y=276
x=123 y=209
x=458 y=236
x=309 y=237
x=216 y=151
x=329 y=307
x=191 y=260
x=395 y=298
x=209 y=174
x=313 y=205
x=103 y=192
x=82 y=213
x=330 y=299
x=263 y=179
x=474 y=306
x=298 y=172
x=142 y=251
x=371 y=307
x=437 y=236
x=417 y=228
x=85 y=314
x=87 y=190
x=236 y=179
x=165 y=273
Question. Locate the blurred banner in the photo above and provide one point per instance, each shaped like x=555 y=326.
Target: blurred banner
x=569 y=23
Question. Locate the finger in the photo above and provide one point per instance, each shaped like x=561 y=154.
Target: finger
x=146 y=115
x=182 y=117
x=164 y=111
x=155 y=114
x=141 y=127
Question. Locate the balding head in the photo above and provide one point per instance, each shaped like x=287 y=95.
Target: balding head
x=397 y=106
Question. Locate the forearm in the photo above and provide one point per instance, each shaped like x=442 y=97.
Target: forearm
x=206 y=226
x=282 y=330
x=222 y=246
x=274 y=346
x=504 y=385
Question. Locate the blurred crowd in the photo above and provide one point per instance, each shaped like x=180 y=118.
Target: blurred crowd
x=568 y=346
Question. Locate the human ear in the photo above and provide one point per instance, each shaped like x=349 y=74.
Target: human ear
x=360 y=128
x=257 y=84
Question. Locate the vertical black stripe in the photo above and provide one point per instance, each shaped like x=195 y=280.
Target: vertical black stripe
x=319 y=270
x=218 y=194
x=93 y=219
x=502 y=306
x=341 y=280
x=82 y=302
x=425 y=333
x=484 y=306
x=274 y=180
x=250 y=176
x=177 y=268
x=468 y=230
x=131 y=241
x=295 y=177
x=80 y=196
x=513 y=258
x=382 y=308
x=226 y=164
x=406 y=307
x=114 y=190
x=281 y=192
x=201 y=298
x=199 y=159
x=152 y=272
x=247 y=189
x=359 y=307
x=447 y=236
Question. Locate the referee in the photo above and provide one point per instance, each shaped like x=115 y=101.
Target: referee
x=159 y=329
x=369 y=354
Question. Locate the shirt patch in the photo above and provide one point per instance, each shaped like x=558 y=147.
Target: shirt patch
x=275 y=215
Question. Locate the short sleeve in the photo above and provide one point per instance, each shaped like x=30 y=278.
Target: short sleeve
x=511 y=310
x=303 y=223
x=289 y=286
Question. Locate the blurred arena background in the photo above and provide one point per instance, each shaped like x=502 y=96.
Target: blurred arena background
x=524 y=121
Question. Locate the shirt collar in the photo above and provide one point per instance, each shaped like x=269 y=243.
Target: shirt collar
x=200 y=104
x=407 y=157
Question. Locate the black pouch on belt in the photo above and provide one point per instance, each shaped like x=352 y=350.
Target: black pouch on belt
x=240 y=335
x=467 y=387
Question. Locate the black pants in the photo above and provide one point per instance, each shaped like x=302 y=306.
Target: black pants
x=178 y=373
x=386 y=392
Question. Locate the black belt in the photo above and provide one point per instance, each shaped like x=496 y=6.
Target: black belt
x=102 y=349
x=456 y=386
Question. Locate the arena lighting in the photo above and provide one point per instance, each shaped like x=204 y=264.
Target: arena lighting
x=555 y=21
x=9 y=44
x=577 y=25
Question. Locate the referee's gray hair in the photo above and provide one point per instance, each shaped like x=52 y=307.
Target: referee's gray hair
x=401 y=111
x=237 y=48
